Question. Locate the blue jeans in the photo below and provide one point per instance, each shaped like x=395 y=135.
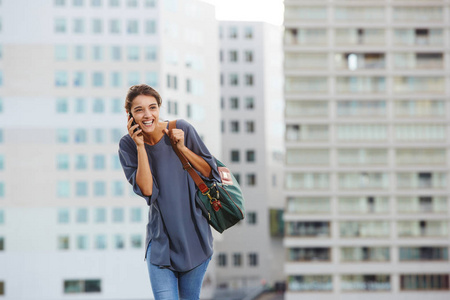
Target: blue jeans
x=171 y=285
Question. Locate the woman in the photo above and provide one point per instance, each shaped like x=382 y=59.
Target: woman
x=179 y=239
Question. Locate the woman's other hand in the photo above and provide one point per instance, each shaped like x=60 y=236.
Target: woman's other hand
x=177 y=137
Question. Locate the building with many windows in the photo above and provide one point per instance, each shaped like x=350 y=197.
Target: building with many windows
x=367 y=149
x=69 y=222
x=252 y=146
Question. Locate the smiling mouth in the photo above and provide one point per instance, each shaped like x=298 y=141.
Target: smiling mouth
x=148 y=123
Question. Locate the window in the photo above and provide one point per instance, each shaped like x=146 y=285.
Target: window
x=136 y=241
x=238 y=177
x=97 y=79
x=188 y=86
x=310 y=283
x=63 y=242
x=60 y=2
x=132 y=27
x=133 y=53
x=365 y=254
x=232 y=32
x=423 y=253
x=251 y=179
x=366 y=282
x=249 y=103
x=308 y=229
x=116 y=135
x=151 y=78
x=99 y=135
x=2 y=162
x=61 y=52
x=2 y=283
x=62 y=105
x=234 y=80
x=116 y=79
x=80 y=136
x=135 y=215
x=80 y=105
x=100 y=241
x=81 y=162
x=248 y=55
x=98 y=106
x=132 y=3
x=99 y=188
x=79 y=79
x=97 y=53
x=60 y=26
x=251 y=218
x=82 y=286
x=364 y=229
x=114 y=3
x=82 y=242
x=133 y=78
x=116 y=162
x=150 y=27
x=79 y=53
x=100 y=215
x=77 y=3
x=251 y=156
x=248 y=32
x=97 y=26
x=150 y=3
x=62 y=162
x=96 y=3
x=235 y=156
x=237 y=259
x=114 y=26
x=424 y=282
x=99 y=162
x=63 y=216
x=116 y=106
x=118 y=215
x=233 y=55
x=249 y=126
x=234 y=125
x=81 y=188
x=63 y=189
x=82 y=215
x=119 y=241
x=150 y=53
x=78 y=26
x=253 y=259
x=234 y=103
x=249 y=79
x=222 y=260
x=309 y=254
x=61 y=78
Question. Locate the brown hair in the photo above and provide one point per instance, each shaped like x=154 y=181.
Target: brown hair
x=140 y=89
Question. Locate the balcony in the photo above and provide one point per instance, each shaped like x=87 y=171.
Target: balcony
x=422 y=228
x=360 y=36
x=305 y=36
x=422 y=204
x=425 y=180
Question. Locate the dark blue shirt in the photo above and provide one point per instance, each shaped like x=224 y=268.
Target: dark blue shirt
x=180 y=235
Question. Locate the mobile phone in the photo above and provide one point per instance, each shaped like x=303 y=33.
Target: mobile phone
x=133 y=123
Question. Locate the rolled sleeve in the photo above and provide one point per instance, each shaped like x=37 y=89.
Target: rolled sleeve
x=128 y=160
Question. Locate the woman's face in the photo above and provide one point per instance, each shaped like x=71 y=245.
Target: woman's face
x=145 y=111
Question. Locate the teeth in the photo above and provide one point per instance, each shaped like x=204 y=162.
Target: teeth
x=148 y=123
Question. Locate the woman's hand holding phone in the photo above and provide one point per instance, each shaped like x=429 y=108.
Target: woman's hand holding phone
x=134 y=131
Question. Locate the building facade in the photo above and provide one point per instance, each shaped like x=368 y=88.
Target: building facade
x=69 y=222
x=367 y=149
x=252 y=100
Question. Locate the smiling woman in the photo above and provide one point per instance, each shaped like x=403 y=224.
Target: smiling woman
x=179 y=239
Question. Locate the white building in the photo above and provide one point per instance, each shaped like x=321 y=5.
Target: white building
x=252 y=145
x=69 y=222
x=367 y=149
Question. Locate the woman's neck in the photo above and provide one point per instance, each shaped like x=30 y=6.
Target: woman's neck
x=155 y=136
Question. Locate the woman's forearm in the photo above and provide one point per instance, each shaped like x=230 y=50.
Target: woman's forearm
x=144 y=178
x=197 y=162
